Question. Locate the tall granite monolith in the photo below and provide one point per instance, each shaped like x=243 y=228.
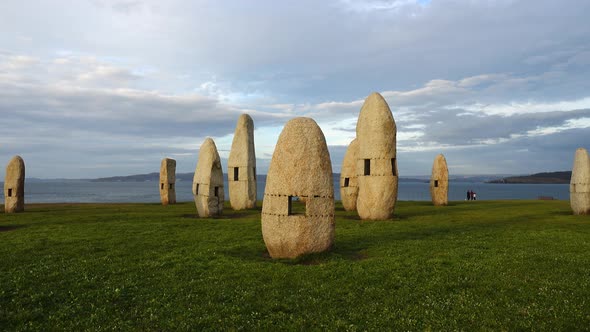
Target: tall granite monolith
x=208 y=181
x=580 y=183
x=439 y=181
x=241 y=164
x=376 y=166
x=300 y=167
x=168 y=181
x=348 y=182
x=14 y=186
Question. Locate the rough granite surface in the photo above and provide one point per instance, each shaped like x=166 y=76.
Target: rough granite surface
x=439 y=181
x=349 y=191
x=242 y=191
x=168 y=181
x=580 y=183
x=208 y=181
x=376 y=134
x=300 y=167
x=14 y=186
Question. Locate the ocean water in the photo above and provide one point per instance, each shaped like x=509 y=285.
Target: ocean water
x=147 y=192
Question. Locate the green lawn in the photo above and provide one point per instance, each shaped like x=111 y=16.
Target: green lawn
x=496 y=265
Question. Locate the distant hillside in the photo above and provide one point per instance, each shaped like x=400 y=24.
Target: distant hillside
x=143 y=178
x=189 y=177
x=539 y=178
x=155 y=177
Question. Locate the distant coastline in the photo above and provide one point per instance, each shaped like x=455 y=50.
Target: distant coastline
x=149 y=177
x=562 y=177
x=538 y=178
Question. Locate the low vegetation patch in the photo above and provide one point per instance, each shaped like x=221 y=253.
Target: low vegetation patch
x=493 y=265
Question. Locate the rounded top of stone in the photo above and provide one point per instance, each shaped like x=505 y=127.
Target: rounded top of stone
x=208 y=161
x=376 y=129
x=581 y=169
x=245 y=120
x=348 y=168
x=300 y=163
x=440 y=170
x=17 y=159
x=376 y=106
x=440 y=158
x=208 y=143
x=242 y=152
x=15 y=170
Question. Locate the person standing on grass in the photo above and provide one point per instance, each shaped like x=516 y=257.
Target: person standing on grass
x=474 y=196
x=468 y=195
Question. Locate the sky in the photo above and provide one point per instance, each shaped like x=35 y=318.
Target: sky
x=93 y=88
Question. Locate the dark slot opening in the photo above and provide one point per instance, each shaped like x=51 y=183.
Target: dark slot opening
x=171 y=186
x=216 y=191
x=162 y=186
x=236 y=173
x=346 y=182
x=10 y=192
x=197 y=189
x=393 y=167
x=435 y=183
x=296 y=206
x=367 y=166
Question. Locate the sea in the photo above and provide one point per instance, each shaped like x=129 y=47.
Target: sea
x=85 y=191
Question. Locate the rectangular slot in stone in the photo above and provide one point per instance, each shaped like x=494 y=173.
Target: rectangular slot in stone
x=236 y=173
x=346 y=182
x=367 y=167
x=296 y=206
x=393 y=167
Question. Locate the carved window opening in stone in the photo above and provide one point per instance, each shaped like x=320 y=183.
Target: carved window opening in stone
x=216 y=191
x=236 y=173
x=296 y=206
x=435 y=183
x=171 y=186
x=367 y=166
x=197 y=189
x=393 y=166
x=346 y=182
x=10 y=192
x=162 y=186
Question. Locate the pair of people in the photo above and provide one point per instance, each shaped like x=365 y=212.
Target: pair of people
x=471 y=195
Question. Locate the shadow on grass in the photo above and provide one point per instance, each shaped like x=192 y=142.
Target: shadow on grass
x=10 y=228
x=335 y=254
x=562 y=213
x=232 y=215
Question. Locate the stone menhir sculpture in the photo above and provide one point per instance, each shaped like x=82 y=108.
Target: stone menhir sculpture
x=439 y=182
x=14 y=186
x=208 y=181
x=376 y=166
x=168 y=181
x=348 y=183
x=580 y=183
x=241 y=172
x=300 y=167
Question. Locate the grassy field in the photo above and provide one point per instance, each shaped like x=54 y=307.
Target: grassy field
x=497 y=265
